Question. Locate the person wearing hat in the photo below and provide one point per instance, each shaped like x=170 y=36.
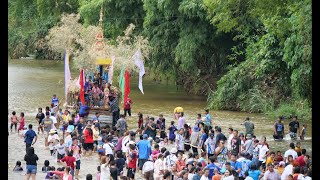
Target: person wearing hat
x=176 y=111
x=53 y=139
x=144 y=148
x=171 y=159
x=68 y=138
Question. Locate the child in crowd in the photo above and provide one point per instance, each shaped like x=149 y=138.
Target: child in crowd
x=98 y=173
x=21 y=122
x=172 y=135
x=61 y=149
x=155 y=152
x=303 y=132
x=18 y=166
x=119 y=161
x=14 y=121
x=279 y=156
x=47 y=166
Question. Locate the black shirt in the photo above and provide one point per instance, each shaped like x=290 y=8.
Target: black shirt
x=31 y=160
x=219 y=137
x=114 y=173
x=120 y=164
x=294 y=125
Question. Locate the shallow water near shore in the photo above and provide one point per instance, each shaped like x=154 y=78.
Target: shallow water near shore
x=32 y=83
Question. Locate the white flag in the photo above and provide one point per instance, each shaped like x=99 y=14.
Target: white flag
x=138 y=62
x=110 y=73
x=78 y=81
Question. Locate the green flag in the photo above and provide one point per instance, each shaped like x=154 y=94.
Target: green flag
x=121 y=79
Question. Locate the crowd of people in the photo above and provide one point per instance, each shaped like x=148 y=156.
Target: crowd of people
x=160 y=150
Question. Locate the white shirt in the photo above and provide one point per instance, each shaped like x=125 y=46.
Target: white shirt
x=125 y=144
x=54 y=121
x=286 y=172
x=107 y=148
x=271 y=175
x=158 y=166
x=204 y=178
x=105 y=172
x=61 y=149
x=68 y=140
x=190 y=176
x=170 y=160
x=229 y=141
x=53 y=137
x=290 y=152
x=263 y=149
x=248 y=178
x=147 y=166
x=228 y=178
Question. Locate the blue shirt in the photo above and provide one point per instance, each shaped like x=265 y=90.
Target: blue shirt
x=236 y=165
x=208 y=118
x=211 y=168
x=55 y=101
x=245 y=166
x=196 y=177
x=80 y=128
x=254 y=174
x=144 y=149
x=30 y=134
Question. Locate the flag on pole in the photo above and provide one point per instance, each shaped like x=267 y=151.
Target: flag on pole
x=126 y=86
x=82 y=86
x=67 y=74
x=110 y=74
x=139 y=63
x=121 y=79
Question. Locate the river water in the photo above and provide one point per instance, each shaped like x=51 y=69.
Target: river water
x=32 y=83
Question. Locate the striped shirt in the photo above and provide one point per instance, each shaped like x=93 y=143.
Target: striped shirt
x=114 y=105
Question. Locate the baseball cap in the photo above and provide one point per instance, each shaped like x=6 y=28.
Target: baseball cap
x=145 y=136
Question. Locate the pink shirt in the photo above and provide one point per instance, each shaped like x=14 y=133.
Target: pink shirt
x=98 y=176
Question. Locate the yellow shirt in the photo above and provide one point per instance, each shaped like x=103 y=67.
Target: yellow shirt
x=66 y=118
x=269 y=160
x=298 y=149
x=178 y=110
x=95 y=134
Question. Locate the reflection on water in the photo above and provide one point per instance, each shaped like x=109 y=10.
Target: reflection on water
x=31 y=84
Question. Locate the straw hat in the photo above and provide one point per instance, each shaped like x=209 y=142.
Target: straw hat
x=52 y=131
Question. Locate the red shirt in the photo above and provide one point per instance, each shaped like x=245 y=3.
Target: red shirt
x=127 y=105
x=88 y=138
x=69 y=160
x=133 y=162
x=300 y=161
x=279 y=158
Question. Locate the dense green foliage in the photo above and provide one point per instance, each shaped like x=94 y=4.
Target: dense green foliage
x=29 y=22
x=246 y=55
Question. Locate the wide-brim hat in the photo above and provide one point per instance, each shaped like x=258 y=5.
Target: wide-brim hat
x=52 y=131
x=173 y=150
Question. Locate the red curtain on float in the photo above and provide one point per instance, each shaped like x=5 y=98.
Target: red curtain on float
x=82 y=86
x=126 y=86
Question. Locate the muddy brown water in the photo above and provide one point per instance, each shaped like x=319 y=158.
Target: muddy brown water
x=32 y=83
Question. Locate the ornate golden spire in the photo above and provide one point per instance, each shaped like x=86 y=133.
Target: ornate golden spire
x=101 y=15
x=100 y=43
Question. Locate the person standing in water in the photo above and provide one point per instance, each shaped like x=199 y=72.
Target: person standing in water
x=278 y=131
x=55 y=100
x=29 y=136
x=40 y=116
x=21 y=122
x=249 y=127
x=14 y=121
